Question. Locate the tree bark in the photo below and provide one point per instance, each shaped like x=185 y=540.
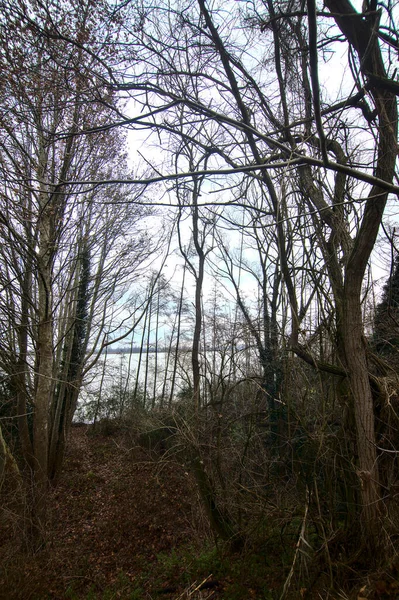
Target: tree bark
x=359 y=384
x=361 y=33
x=45 y=386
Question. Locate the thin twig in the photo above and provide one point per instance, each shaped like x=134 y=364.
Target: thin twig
x=301 y=538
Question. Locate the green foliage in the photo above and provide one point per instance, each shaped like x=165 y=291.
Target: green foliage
x=244 y=575
x=191 y=562
x=121 y=589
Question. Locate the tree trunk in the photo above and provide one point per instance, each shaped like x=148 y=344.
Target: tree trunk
x=356 y=361
x=361 y=33
x=44 y=375
x=40 y=424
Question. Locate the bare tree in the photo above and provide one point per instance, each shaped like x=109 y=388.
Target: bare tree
x=250 y=82
x=68 y=255
x=244 y=90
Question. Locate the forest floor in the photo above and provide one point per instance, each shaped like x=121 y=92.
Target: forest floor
x=127 y=525
x=124 y=524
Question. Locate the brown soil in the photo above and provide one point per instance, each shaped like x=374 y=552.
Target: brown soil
x=113 y=514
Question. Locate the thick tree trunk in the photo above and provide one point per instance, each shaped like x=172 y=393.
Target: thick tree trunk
x=356 y=361
x=361 y=32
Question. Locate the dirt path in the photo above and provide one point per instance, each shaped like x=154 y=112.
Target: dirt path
x=114 y=513
x=124 y=525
